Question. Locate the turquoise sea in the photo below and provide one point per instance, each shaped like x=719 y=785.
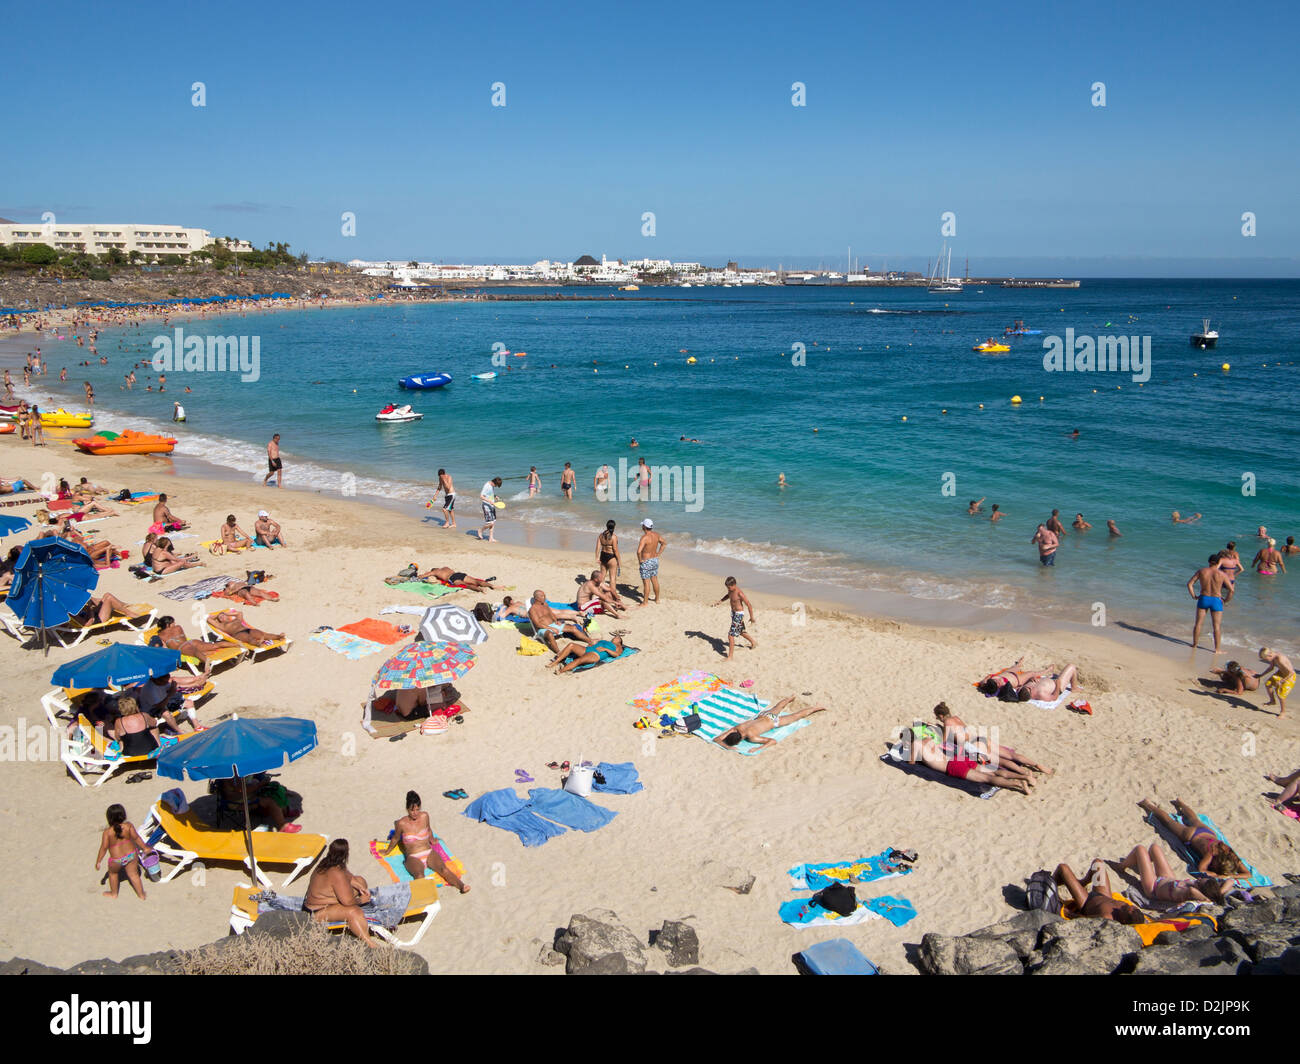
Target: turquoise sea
x=866 y=504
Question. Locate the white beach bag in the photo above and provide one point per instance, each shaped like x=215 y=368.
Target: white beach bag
x=579 y=779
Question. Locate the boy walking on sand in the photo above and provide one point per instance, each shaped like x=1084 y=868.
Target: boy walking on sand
x=739 y=603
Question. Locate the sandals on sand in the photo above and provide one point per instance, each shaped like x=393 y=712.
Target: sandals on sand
x=456 y=795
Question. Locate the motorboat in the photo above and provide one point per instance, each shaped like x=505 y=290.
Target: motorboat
x=392 y=413
x=992 y=347
x=424 y=381
x=1207 y=337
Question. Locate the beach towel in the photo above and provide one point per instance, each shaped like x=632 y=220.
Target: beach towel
x=1062 y=697
x=979 y=790
x=1255 y=879
x=203 y=589
x=420 y=587
x=530 y=647
x=506 y=810
x=375 y=631
x=619 y=779
x=729 y=706
x=674 y=697
x=173 y=536
x=387 y=905
x=801 y=913
x=864 y=870
x=352 y=647
x=571 y=810
x=395 y=864
x=414 y=611
x=627 y=653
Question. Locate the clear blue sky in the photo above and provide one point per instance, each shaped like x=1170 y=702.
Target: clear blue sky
x=680 y=109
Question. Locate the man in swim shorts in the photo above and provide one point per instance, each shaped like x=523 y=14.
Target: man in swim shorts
x=929 y=752
x=446 y=575
x=448 y=490
x=1047 y=541
x=274 y=466
x=488 y=498
x=739 y=602
x=549 y=625
x=1281 y=683
x=648 y=551
x=1215 y=590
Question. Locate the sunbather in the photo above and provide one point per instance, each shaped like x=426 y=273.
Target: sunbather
x=447 y=575
x=172 y=635
x=594 y=590
x=574 y=655
x=1048 y=688
x=232 y=623
x=231 y=538
x=1091 y=896
x=162 y=559
x=1290 y=788
x=248 y=594
x=926 y=750
x=162 y=515
x=1159 y=883
x=959 y=736
x=334 y=893
x=756 y=728
x=265 y=797
x=7 y=567
x=101 y=609
x=1016 y=674
x=548 y=624
x=266 y=533
x=122 y=844
x=162 y=697
x=511 y=610
x=18 y=484
x=1217 y=858
x=136 y=731
x=415 y=835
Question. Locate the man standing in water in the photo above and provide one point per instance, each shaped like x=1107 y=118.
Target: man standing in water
x=1054 y=523
x=448 y=490
x=567 y=480
x=274 y=466
x=648 y=551
x=1215 y=590
x=1047 y=541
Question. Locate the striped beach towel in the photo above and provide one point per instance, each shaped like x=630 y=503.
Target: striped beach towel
x=729 y=706
x=202 y=589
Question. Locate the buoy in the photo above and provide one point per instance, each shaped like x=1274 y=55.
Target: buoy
x=1195 y=374
x=904 y=417
x=1040 y=398
x=690 y=361
x=1226 y=366
x=943 y=411
x=1015 y=398
x=816 y=430
x=981 y=406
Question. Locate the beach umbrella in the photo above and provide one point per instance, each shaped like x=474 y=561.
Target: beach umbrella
x=53 y=579
x=119 y=664
x=451 y=624
x=10 y=525
x=239 y=747
x=424 y=665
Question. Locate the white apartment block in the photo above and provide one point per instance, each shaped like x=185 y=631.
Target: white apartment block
x=151 y=241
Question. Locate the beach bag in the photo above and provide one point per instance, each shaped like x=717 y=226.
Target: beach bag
x=579 y=780
x=688 y=724
x=838 y=898
x=1041 y=893
x=483 y=611
x=408 y=573
x=256 y=576
x=152 y=864
x=122 y=496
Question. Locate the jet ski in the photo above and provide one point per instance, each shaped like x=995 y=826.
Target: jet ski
x=397 y=413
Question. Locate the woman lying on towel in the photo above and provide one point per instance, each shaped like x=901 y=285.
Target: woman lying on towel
x=921 y=747
x=1217 y=858
x=1159 y=883
x=335 y=894
x=455 y=578
x=596 y=653
x=1092 y=895
x=101 y=551
x=958 y=736
x=755 y=729
x=248 y=594
x=414 y=834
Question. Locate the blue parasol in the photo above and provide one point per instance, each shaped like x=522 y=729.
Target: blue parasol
x=53 y=579
x=119 y=664
x=10 y=525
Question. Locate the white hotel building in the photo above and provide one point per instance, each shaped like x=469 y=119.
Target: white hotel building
x=151 y=241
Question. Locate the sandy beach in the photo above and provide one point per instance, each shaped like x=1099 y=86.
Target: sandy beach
x=707 y=817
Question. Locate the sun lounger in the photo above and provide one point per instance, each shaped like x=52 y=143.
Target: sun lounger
x=184 y=842
x=424 y=903
x=216 y=659
x=72 y=633
x=87 y=753
x=254 y=649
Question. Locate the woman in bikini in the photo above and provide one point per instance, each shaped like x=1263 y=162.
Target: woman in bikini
x=163 y=560
x=1268 y=560
x=1158 y=882
x=1216 y=858
x=607 y=556
x=1048 y=688
x=756 y=728
x=335 y=894
x=172 y=635
x=1091 y=896
x=248 y=594
x=122 y=843
x=1015 y=674
x=413 y=833
x=232 y=623
x=1236 y=680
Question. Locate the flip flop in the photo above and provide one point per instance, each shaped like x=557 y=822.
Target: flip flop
x=290 y=829
x=552 y=764
x=457 y=794
x=522 y=777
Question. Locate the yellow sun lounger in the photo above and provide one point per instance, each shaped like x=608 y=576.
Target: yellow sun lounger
x=253 y=649
x=218 y=658
x=87 y=752
x=57 y=703
x=424 y=902
x=185 y=842
x=72 y=633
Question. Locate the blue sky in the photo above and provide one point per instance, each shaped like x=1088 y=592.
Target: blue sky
x=680 y=109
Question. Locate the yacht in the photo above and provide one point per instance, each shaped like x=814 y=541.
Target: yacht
x=1207 y=337
x=946 y=283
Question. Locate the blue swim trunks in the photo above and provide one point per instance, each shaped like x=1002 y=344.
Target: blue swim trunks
x=649 y=568
x=1210 y=602
x=1048 y=559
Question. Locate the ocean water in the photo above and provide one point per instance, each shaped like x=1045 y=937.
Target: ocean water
x=873 y=500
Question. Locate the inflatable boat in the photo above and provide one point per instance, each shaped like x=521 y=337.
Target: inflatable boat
x=128 y=442
x=63 y=420
x=424 y=381
x=991 y=347
x=397 y=413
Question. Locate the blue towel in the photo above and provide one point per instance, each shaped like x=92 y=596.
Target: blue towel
x=619 y=779
x=801 y=913
x=627 y=653
x=571 y=810
x=1256 y=877
x=506 y=810
x=862 y=870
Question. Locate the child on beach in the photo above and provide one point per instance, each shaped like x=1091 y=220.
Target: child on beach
x=122 y=843
x=739 y=603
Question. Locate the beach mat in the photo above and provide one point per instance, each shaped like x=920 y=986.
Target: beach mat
x=352 y=647
x=376 y=631
x=627 y=653
x=1256 y=878
x=674 y=697
x=924 y=772
x=395 y=864
x=862 y=870
x=420 y=587
x=202 y=589
x=799 y=913
x=729 y=706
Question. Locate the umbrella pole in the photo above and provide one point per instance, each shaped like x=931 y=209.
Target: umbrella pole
x=40 y=598
x=248 y=832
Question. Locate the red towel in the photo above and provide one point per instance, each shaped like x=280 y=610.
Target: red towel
x=375 y=630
